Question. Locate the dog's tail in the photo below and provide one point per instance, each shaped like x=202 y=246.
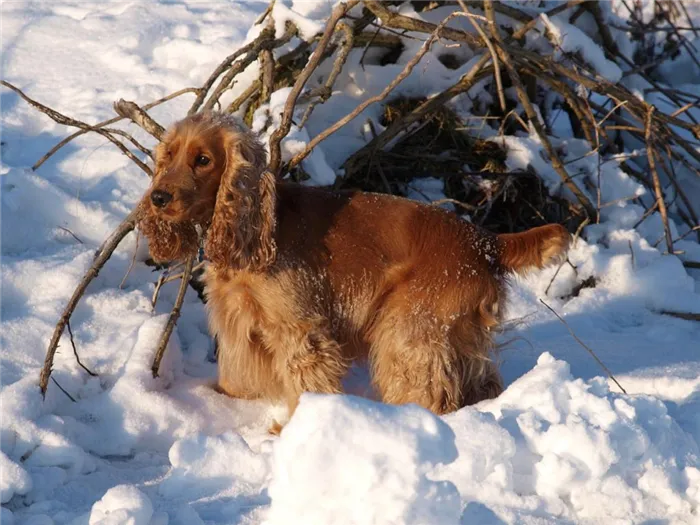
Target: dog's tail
x=536 y=247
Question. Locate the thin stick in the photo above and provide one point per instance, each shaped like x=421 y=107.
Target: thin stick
x=174 y=316
x=75 y=352
x=584 y=345
x=408 y=68
x=494 y=56
x=63 y=390
x=103 y=254
x=73 y=234
x=102 y=124
x=464 y=205
x=657 y=183
x=132 y=263
x=314 y=60
x=395 y=20
x=163 y=279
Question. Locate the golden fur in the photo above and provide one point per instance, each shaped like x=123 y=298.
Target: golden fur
x=303 y=281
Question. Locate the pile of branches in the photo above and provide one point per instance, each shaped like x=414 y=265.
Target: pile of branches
x=423 y=136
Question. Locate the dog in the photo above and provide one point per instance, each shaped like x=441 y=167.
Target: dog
x=303 y=281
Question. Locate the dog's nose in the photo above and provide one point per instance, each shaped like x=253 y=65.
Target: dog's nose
x=160 y=198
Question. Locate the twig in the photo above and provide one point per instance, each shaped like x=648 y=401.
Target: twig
x=174 y=316
x=315 y=59
x=164 y=279
x=133 y=261
x=113 y=120
x=266 y=13
x=657 y=183
x=73 y=234
x=494 y=56
x=584 y=345
x=394 y=20
x=634 y=266
x=131 y=111
x=63 y=390
x=408 y=68
x=75 y=352
x=103 y=254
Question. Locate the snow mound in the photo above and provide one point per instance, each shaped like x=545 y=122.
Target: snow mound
x=346 y=460
x=122 y=504
x=575 y=450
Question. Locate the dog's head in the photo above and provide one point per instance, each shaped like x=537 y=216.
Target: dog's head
x=210 y=172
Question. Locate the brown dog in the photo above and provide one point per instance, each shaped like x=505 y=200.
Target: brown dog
x=302 y=281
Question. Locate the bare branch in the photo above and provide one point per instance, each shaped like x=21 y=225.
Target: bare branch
x=133 y=112
x=101 y=257
x=657 y=183
x=174 y=316
x=584 y=345
x=102 y=124
x=67 y=121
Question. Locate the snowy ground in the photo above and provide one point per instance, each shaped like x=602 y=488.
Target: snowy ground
x=561 y=444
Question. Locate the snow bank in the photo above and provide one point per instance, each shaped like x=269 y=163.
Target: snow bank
x=346 y=460
x=550 y=446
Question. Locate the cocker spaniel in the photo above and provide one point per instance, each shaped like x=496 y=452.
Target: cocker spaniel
x=302 y=281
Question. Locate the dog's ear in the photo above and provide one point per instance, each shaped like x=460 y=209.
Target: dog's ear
x=241 y=234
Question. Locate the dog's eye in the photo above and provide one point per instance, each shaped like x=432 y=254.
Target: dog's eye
x=201 y=160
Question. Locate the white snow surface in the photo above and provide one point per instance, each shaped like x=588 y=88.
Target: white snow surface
x=562 y=444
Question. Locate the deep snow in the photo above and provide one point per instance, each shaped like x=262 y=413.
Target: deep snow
x=562 y=444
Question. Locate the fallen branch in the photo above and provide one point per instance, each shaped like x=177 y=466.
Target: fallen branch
x=661 y=203
x=101 y=257
x=174 y=316
x=264 y=41
x=67 y=121
x=584 y=345
x=104 y=123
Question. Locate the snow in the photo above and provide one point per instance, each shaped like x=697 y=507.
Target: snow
x=562 y=444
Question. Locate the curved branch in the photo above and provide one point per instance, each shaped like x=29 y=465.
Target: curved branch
x=101 y=257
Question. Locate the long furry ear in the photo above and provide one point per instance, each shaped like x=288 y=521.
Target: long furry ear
x=167 y=241
x=241 y=234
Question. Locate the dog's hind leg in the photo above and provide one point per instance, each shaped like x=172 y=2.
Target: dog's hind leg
x=307 y=359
